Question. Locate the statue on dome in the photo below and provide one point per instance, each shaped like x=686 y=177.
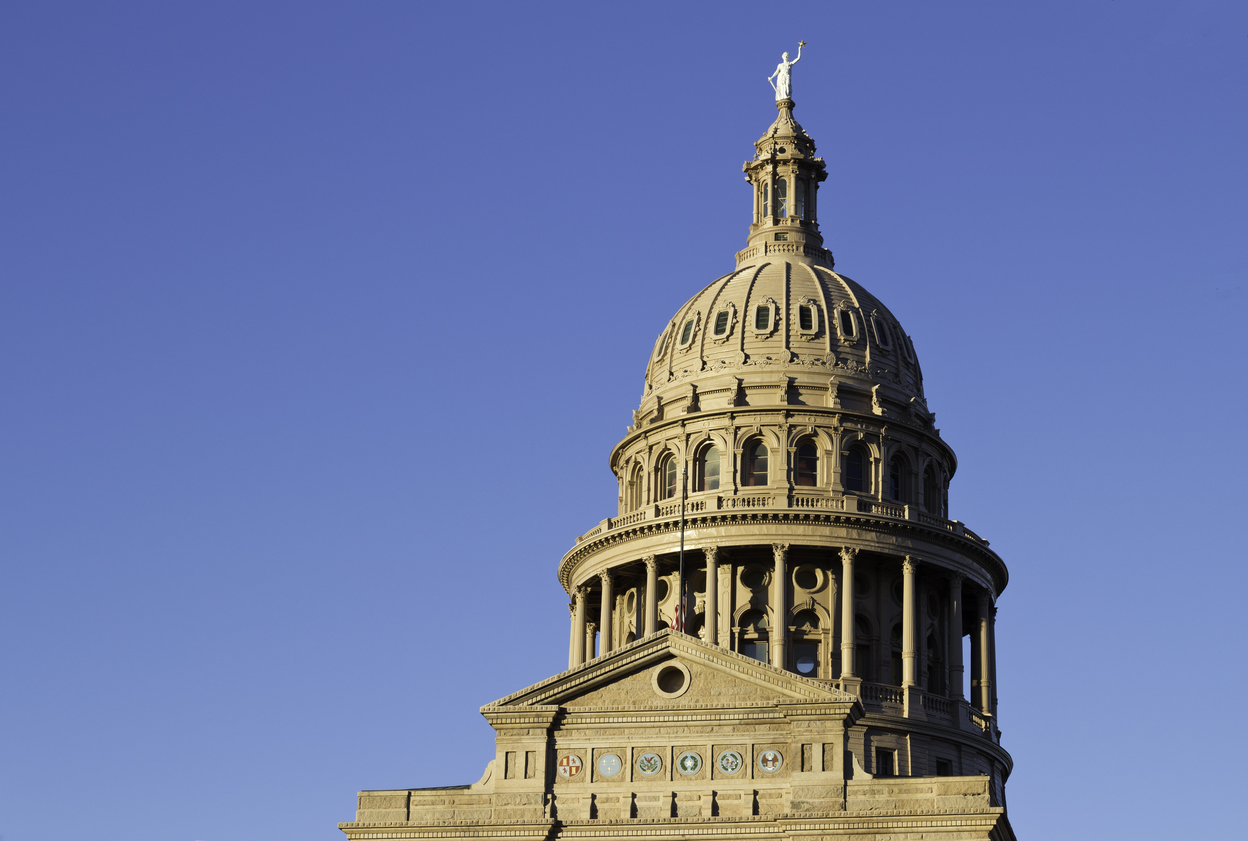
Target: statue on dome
x=783 y=86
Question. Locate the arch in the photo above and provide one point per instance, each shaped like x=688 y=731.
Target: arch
x=935 y=666
x=806 y=463
x=806 y=620
x=782 y=198
x=755 y=458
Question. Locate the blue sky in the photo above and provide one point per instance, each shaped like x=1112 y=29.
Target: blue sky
x=319 y=320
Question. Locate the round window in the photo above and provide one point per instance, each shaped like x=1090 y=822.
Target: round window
x=807 y=578
x=754 y=577
x=806 y=662
x=897 y=591
x=660 y=590
x=671 y=680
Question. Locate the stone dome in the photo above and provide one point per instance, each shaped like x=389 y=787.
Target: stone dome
x=783 y=329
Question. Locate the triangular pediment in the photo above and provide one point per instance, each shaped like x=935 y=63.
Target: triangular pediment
x=634 y=676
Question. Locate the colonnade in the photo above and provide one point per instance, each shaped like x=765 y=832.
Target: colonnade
x=983 y=642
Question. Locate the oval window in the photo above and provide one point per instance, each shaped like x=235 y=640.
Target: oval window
x=686 y=333
x=721 y=322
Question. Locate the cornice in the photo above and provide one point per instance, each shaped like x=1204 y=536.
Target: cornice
x=980 y=554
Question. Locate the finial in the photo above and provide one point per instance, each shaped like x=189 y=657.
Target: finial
x=783 y=84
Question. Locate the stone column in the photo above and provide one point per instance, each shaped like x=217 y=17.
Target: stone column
x=604 y=613
x=847 y=618
x=712 y=594
x=985 y=651
x=578 y=628
x=779 y=633
x=956 y=676
x=572 y=632
x=909 y=621
x=652 y=602
x=591 y=633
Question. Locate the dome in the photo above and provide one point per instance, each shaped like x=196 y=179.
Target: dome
x=783 y=331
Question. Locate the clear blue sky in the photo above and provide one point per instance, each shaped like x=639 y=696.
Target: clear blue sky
x=319 y=320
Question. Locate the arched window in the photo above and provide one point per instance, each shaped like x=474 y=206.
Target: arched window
x=807 y=468
x=708 y=469
x=856 y=477
x=898 y=472
x=799 y=200
x=667 y=477
x=754 y=465
x=766 y=199
x=931 y=492
x=633 y=499
x=752 y=635
x=782 y=198
x=806 y=643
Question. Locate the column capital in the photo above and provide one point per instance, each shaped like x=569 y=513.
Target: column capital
x=652 y=564
x=955 y=578
x=605 y=577
x=571 y=610
x=580 y=591
x=711 y=553
x=848 y=555
x=780 y=550
x=910 y=564
x=591 y=627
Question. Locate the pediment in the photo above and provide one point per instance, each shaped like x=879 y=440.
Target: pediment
x=629 y=677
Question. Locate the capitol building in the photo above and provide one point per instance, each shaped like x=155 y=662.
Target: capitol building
x=814 y=684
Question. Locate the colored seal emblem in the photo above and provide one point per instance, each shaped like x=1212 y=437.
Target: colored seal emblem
x=649 y=764
x=569 y=765
x=770 y=761
x=609 y=765
x=689 y=763
x=730 y=762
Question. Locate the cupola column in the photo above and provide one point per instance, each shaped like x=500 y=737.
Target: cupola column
x=578 y=627
x=908 y=620
x=604 y=613
x=985 y=651
x=591 y=635
x=652 y=601
x=847 y=617
x=780 y=631
x=712 y=594
x=956 y=678
x=992 y=654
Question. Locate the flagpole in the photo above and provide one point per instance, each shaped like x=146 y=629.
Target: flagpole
x=680 y=620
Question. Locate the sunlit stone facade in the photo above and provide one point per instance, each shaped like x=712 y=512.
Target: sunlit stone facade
x=822 y=686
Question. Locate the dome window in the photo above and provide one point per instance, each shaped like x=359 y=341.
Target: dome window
x=687 y=331
x=807 y=317
x=846 y=323
x=661 y=345
x=721 y=322
x=725 y=318
x=881 y=332
x=897 y=474
x=765 y=317
x=799 y=200
x=907 y=347
x=766 y=200
x=782 y=198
